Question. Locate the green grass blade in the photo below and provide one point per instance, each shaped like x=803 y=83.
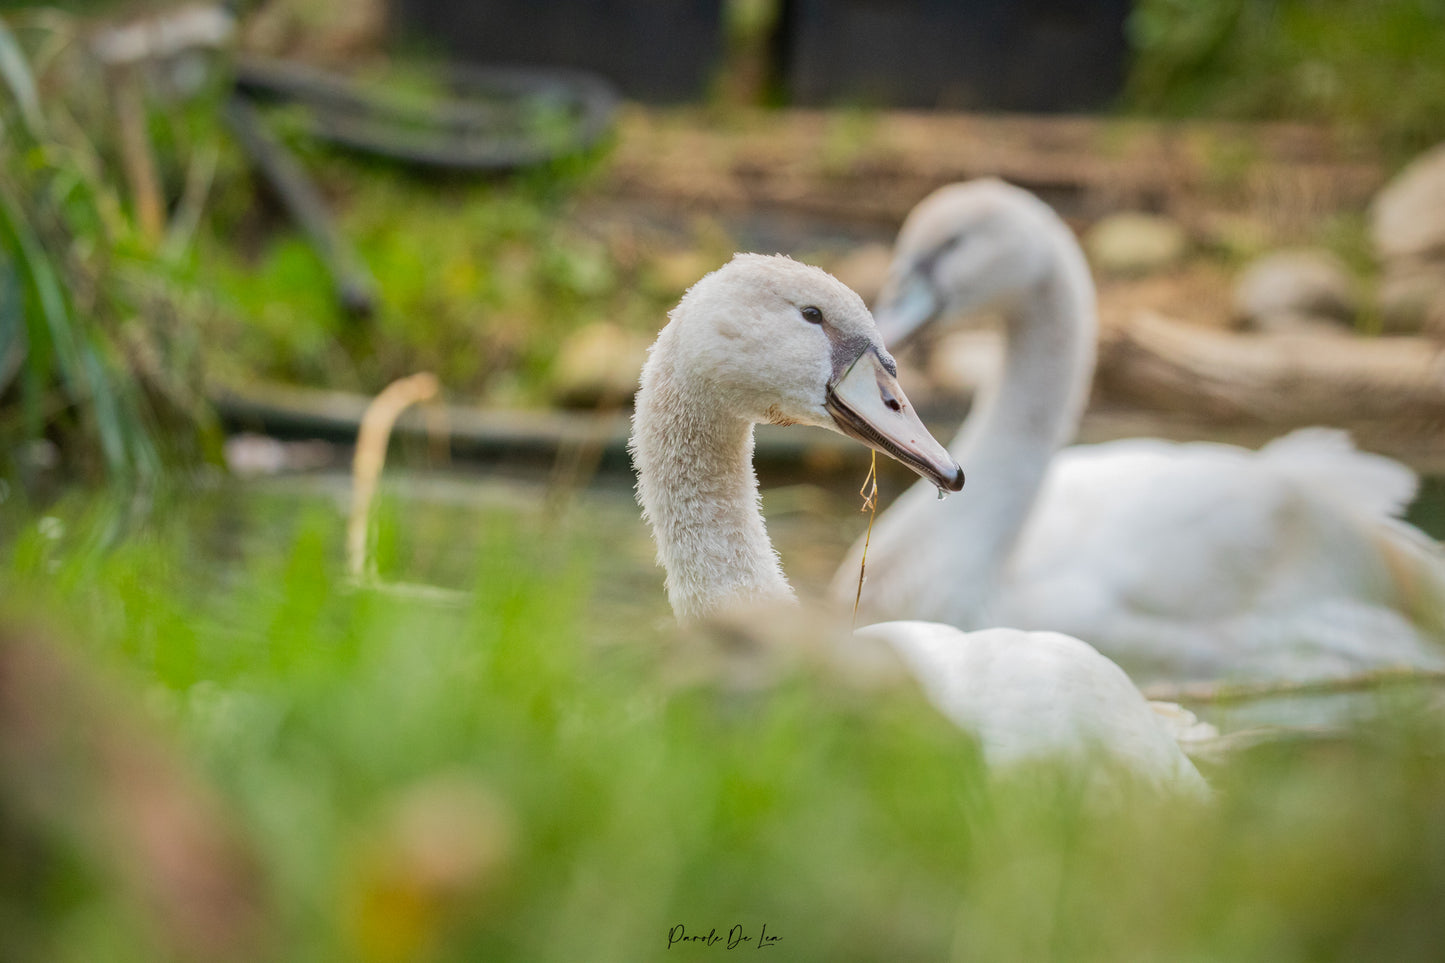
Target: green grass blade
x=15 y=70
x=79 y=366
x=12 y=323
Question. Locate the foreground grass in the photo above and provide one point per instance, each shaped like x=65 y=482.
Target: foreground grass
x=612 y=803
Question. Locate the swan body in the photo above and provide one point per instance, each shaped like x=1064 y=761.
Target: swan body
x=1183 y=561
x=1064 y=699
x=766 y=339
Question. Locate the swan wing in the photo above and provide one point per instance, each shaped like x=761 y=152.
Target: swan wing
x=1208 y=561
x=1155 y=526
x=1327 y=462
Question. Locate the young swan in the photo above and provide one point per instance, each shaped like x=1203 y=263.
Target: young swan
x=1181 y=561
x=766 y=339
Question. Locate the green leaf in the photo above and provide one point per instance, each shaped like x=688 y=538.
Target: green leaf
x=12 y=323
x=79 y=365
x=15 y=70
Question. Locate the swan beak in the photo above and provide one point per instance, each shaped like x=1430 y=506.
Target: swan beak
x=905 y=308
x=867 y=404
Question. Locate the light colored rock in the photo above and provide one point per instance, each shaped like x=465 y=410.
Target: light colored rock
x=323 y=31
x=1305 y=282
x=1412 y=298
x=1135 y=243
x=250 y=455
x=1407 y=219
x=864 y=270
x=598 y=366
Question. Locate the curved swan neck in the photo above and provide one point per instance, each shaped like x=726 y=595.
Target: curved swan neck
x=1049 y=345
x=1034 y=408
x=698 y=491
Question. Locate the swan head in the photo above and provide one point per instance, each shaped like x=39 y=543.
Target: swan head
x=778 y=341
x=964 y=248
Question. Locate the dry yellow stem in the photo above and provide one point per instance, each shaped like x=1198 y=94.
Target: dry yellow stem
x=869 y=491
x=371 y=442
x=137 y=155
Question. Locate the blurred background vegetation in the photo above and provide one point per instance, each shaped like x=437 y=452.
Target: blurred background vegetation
x=1375 y=67
x=117 y=291
x=98 y=347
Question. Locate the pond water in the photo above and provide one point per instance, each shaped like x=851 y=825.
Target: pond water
x=812 y=525
x=434 y=521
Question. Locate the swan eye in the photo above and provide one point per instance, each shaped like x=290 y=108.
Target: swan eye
x=811 y=314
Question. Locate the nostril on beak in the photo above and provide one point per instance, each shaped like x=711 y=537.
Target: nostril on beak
x=893 y=404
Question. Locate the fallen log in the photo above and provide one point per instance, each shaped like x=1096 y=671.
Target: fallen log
x=1389 y=392
x=530 y=439
x=1156 y=378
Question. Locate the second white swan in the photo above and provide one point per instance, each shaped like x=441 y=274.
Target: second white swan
x=1182 y=561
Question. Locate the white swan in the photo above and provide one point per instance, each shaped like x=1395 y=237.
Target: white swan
x=767 y=339
x=1197 y=561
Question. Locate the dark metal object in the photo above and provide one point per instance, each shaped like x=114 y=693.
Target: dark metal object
x=654 y=50
x=354 y=286
x=498 y=120
x=494 y=119
x=1034 y=55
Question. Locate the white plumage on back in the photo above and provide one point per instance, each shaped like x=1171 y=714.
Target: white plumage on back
x=1210 y=561
x=1036 y=696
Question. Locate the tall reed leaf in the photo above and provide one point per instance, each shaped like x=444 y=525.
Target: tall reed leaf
x=68 y=246
x=15 y=71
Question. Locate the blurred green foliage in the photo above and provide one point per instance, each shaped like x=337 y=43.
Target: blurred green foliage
x=1375 y=66
x=478 y=281
x=96 y=351
x=856 y=826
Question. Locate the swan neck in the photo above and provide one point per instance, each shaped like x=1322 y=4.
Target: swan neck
x=1027 y=415
x=1049 y=347
x=699 y=493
